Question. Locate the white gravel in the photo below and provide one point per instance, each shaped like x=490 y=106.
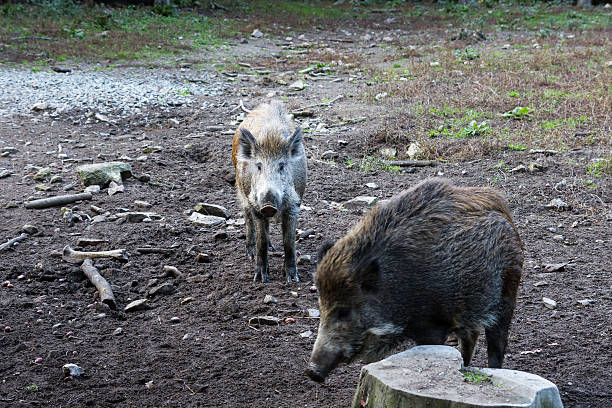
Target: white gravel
x=120 y=92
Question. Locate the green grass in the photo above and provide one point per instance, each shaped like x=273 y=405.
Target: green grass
x=475 y=376
x=31 y=388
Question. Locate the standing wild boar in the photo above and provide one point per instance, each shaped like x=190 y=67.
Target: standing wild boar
x=433 y=260
x=271 y=173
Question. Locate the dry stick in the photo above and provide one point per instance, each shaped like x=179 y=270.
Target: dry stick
x=104 y=289
x=8 y=244
x=31 y=37
x=70 y=254
x=57 y=200
x=319 y=104
x=411 y=163
x=244 y=108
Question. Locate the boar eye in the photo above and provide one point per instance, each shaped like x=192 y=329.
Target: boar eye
x=281 y=167
x=259 y=167
x=344 y=313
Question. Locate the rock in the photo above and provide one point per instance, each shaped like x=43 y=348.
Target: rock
x=163 y=289
x=293 y=293
x=175 y=320
x=558 y=237
x=118 y=331
x=171 y=271
x=549 y=303
x=256 y=33
x=55 y=179
x=585 y=302
x=312 y=289
x=140 y=216
x=101 y=117
x=42 y=174
x=202 y=258
x=555 y=267
x=188 y=336
x=298 y=85
x=206 y=220
x=93 y=189
x=329 y=155
x=306 y=334
x=212 y=209
x=102 y=174
x=361 y=202
x=536 y=167
x=40 y=106
x=142 y=204
x=72 y=370
x=61 y=70
x=558 y=204
x=136 y=305
x=313 y=312
x=414 y=151
x=430 y=376
x=540 y=283
x=373 y=186
x=42 y=187
x=5 y=173
x=388 y=152
x=270 y=299
x=264 y=320
x=114 y=188
x=29 y=229
x=304 y=259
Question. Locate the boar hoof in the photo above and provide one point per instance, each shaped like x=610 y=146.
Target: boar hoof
x=251 y=252
x=261 y=272
x=292 y=272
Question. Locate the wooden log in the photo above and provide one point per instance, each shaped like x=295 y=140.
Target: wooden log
x=57 y=200
x=70 y=255
x=104 y=289
x=9 y=244
x=411 y=163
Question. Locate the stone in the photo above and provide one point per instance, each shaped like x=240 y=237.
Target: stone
x=298 y=85
x=55 y=179
x=220 y=235
x=29 y=229
x=40 y=106
x=306 y=334
x=42 y=174
x=142 y=204
x=72 y=370
x=212 y=209
x=558 y=204
x=118 y=331
x=5 y=173
x=175 y=320
x=163 y=289
x=388 y=152
x=188 y=336
x=114 y=188
x=549 y=303
x=431 y=376
x=202 y=258
x=361 y=202
x=373 y=186
x=93 y=189
x=206 y=220
x=414 y=151
x=304 y=259
x=102 y=174
x=329 y=155
x=293 y=293
x=136 y=305
x=585 y=302
x=42 y=187
x=101 y=117
x=519 y=169
x=264 y=320
x=141 y=216
x=313 y=312
x=256 y=33
x=270 y=299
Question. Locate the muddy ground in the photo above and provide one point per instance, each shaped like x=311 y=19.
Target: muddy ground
x=212 y=357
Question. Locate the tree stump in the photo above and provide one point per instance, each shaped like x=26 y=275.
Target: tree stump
x=433 y=377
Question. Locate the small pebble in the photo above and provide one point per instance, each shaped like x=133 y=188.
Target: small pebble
x=118 y=331
x=270 y=299
x=312 y=289
x=38 y=360
x=175 y=320
x=289 y=320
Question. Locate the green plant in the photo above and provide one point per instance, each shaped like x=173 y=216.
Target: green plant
x=370 y=163
x=600 y=168
x=349 y=163
x=518 y=113
x=513 y=94
x=475 y=376
x=518 y=147
x=31 y=388
x=466 y=55
x=474 y=129
x=184 y=92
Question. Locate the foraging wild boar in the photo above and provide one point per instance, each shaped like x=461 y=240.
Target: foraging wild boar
x=271 y=174
x=435 y=259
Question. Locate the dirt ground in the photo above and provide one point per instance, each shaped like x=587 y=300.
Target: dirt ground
x=212 y=357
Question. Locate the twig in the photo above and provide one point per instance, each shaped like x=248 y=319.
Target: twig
x=70 y=255
x=57 y=200
x=411 y=163
x=104 y=289
x=243 y=108
x=344 y=40
x=31 y=37
x=319 y=104
x=8 y=244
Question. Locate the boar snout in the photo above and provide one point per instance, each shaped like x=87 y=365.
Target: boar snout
x=270 y=204
x=322 y=361
x=268 y=211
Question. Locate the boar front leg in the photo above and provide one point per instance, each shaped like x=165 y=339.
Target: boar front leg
x=289 y=223
x=249 y=222
x=261 y=231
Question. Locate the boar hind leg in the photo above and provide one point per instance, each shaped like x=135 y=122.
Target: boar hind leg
x=261 y=231
x=250 y=234
x=289 y=222
x=497 y=335
x=467 y=342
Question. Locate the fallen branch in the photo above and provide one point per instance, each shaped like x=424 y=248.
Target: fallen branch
x=243 y=108
x=8 y=244
x=70 y=255
x=146 y=251
x=411 y=163
x=318 y=104
x=104 y=289
x=344 y=40
x=57 y=200
x=31 y=37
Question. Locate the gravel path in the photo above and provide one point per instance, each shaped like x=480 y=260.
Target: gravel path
x=120 y=92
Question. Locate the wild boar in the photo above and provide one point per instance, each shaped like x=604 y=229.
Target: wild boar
x=271 y=175
x=434 y=260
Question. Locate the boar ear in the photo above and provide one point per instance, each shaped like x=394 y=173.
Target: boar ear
x=323 y=250
x=295 y=141
x=368 y=275
x=247 y=144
